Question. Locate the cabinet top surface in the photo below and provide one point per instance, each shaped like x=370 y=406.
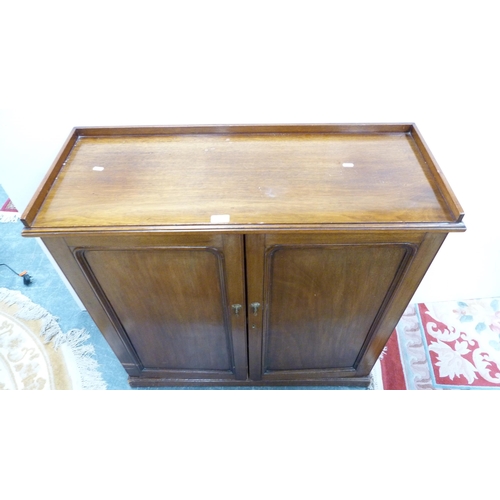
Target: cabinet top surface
x=242 y=175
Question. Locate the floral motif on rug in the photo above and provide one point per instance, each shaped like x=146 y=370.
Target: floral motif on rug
x=463 y=341
x=445 y=345
x=36 y=355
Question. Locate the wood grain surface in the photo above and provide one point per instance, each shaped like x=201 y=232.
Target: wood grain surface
x=251 y=177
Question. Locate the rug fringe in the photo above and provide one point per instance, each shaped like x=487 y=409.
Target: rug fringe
x=85 y=361
x=75 y=339
x=9 y=216
x=30 y=311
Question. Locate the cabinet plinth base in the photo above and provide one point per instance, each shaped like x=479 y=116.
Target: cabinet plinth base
x=159 y=382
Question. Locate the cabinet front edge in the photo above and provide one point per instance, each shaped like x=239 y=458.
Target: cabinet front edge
x=243 y=229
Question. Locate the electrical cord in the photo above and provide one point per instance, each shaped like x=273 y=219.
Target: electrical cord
x=27 y=279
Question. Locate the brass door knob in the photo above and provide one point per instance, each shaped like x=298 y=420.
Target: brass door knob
x=255 y=307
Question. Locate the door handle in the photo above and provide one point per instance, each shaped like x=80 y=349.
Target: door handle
x=255 y=307
x=236 y=309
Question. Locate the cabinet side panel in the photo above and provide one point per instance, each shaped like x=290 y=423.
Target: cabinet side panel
x=68 y=265
x=403 y=294
x=324 y=301
x=170 y=303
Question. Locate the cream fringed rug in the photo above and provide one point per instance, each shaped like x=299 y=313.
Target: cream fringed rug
x=35 y=354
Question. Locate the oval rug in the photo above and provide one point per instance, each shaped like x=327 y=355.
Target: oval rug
x=36 y=355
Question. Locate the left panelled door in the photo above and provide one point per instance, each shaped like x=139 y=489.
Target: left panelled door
x=170 y=301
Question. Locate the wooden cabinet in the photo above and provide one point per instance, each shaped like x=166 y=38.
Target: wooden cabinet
x=168 y=300
x=245 y=255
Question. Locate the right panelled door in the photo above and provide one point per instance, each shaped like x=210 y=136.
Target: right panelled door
x=322 y=302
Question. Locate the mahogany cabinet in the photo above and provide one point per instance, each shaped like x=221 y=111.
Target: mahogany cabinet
x=245 y=255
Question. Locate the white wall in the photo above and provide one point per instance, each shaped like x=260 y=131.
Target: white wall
x=433 y=63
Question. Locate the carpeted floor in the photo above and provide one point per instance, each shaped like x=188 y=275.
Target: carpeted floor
x=49 y=291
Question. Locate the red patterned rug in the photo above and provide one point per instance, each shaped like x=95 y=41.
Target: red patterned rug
x=444 y=345
x=8 y=212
